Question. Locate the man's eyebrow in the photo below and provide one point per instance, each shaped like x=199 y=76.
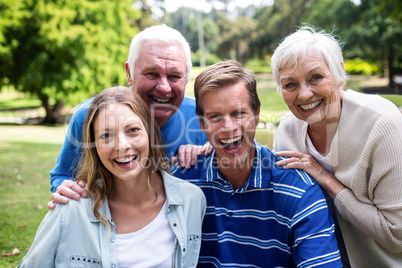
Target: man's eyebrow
x=150 y=69
x=176 y=71
x=211 y=113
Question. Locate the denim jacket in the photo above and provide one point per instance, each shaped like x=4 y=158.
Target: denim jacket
x=71 y=236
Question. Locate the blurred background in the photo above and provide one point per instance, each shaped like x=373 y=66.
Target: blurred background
x=55 y=54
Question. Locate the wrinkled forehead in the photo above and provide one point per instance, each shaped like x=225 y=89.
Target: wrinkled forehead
x=299 y=56
x=169 y=50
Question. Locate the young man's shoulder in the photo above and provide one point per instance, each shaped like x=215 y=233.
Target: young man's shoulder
x=195 y=172
x=279 y=175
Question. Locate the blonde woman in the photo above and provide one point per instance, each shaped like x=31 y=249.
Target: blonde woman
x=137 y=215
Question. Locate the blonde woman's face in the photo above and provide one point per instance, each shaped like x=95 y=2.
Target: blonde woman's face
x=310 y=91
x=122 y=141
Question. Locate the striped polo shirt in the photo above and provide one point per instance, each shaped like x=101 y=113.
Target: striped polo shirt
x=278 y=218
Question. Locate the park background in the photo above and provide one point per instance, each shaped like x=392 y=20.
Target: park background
x=55 y=54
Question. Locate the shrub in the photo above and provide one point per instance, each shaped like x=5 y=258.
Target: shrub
x=209 y=58
x=258 y=65
x=359 y=66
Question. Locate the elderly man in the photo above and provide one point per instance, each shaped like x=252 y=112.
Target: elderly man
x=157 y=68
x=258 y=214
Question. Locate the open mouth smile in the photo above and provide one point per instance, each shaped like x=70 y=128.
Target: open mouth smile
x=310 y=106
x=126 y=160
x=160 y=100
x=231 y=145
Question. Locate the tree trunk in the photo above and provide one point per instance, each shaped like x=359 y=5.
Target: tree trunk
x=53 y=114
x=390 y=67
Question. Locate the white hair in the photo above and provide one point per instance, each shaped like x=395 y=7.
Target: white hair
x=161 y=33
x=305 y=39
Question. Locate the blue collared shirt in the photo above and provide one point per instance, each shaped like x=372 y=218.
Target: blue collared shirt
x=278 y=218
x=71 y=235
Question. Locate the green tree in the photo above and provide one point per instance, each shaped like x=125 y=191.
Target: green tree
x=59 y=50
x=235 y=38
x=369 y=30
x=379 y=36
x=276 y=22
x=188 y=21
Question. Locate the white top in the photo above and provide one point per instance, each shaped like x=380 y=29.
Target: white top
x=152 y=246
x=321 y=159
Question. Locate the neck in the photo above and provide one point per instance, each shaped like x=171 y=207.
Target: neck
x=237 y=173
x=136 y=191
x=322 y=133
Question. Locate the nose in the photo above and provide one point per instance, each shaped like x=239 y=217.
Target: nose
x=305 y=92
x=122 y=143
x=163 y=86
x=229 y=123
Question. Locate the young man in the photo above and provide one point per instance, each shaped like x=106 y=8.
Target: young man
x=157 y=69
x=258 y=214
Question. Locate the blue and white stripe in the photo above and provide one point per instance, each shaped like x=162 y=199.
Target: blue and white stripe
x=279 y=218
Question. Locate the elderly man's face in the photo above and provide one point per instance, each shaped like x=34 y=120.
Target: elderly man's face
x=160 y=77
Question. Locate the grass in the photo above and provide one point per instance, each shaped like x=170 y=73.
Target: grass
x=396 y=99
x=27 y=153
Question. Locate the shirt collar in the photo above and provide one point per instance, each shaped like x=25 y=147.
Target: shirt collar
x=255 y=179
x=173 y=194
x=103 y=210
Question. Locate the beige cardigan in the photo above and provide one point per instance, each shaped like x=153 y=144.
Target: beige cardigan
x=366 y=156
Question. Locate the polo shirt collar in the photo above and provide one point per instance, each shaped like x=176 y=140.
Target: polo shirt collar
x=255 y=179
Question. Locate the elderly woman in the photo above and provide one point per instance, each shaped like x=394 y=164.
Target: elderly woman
x=349 y=142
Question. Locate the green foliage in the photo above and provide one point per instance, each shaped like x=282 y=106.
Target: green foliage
x=55 y=49
x=359 y=66
x=258 y=65
x=209 y=58
x=187 y=20
x=371 y=30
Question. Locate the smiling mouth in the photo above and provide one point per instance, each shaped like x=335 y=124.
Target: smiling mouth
x=126 y=160
x=160 y=100
x=310 y=106
x=231 y=145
